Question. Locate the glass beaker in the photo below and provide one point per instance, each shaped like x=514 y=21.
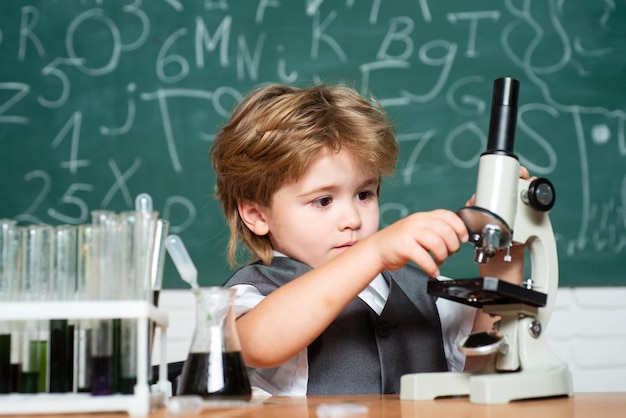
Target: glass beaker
x=214 y=368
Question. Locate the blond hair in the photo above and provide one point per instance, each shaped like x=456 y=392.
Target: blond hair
x=273 y=136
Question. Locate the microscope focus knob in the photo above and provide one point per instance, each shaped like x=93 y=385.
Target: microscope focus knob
x=540 y=194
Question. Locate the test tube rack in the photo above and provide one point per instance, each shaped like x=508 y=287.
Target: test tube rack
x=145 y=398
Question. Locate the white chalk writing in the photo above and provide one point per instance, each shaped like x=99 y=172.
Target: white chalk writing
x=107 y=100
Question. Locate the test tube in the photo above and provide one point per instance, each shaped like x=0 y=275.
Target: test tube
x=36 y=262
x=85 y=290
x=11 y=257
x=103 y=285
x=16 y=357
x=8 y=286
x=154 y=275
x=156 y=270
x=126 y=343
x=145 y=240
x=63 y=289
x=143 y=223
x=158 y=259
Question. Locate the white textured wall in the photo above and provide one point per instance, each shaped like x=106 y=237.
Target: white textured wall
x=587 y=330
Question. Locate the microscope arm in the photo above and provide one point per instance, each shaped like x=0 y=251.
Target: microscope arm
x=534 y=230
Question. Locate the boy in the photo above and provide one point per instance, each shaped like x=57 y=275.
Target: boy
x=330 y=305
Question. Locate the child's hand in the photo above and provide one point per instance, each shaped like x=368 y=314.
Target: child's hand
x=426 y=238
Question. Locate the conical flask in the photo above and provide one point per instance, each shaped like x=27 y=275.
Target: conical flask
x=214 y=368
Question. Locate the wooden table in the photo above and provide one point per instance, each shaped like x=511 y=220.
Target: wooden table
x=582 y=405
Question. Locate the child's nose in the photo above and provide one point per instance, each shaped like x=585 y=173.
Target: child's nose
x=351 y=217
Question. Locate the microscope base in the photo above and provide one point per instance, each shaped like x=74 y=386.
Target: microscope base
x=493 y=388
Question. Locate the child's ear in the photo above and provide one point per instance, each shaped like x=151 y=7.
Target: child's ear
x=253 y=217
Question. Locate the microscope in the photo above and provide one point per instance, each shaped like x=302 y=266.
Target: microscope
x=508 y=210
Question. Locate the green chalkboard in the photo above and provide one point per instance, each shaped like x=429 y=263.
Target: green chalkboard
x=103 y=100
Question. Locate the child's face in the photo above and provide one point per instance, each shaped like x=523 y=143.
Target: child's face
x=333 y=206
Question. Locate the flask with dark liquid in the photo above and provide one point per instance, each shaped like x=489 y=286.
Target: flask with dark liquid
x=214 y=368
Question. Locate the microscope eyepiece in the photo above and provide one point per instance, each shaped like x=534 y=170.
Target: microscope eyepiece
x=503 y=116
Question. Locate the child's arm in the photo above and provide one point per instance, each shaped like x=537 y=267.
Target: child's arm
x=291 y=317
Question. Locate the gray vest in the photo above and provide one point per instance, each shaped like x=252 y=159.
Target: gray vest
x=362 y=352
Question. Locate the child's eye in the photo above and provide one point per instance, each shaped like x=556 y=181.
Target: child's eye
x=364 y=195
x=323 y=201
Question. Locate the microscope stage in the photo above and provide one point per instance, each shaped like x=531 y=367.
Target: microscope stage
x=482 y=291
